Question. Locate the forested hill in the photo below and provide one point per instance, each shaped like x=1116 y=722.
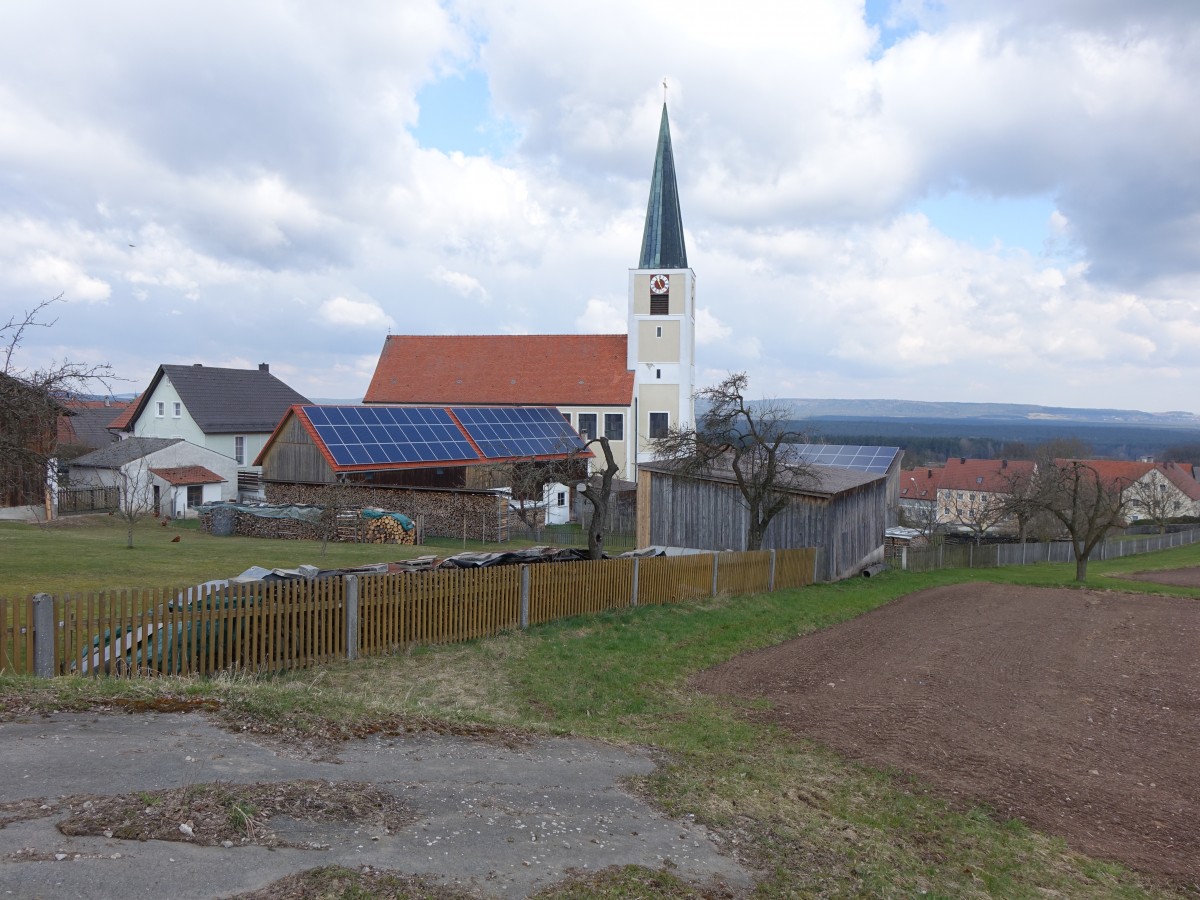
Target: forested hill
x=930 y=432
x=992 y=412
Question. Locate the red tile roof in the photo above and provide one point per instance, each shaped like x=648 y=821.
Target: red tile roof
x=185 y=475
x=1180 y=475
x=1113 y=471
x=920 y=484
x=121 y=422
x=502 y=369
x=992 y=476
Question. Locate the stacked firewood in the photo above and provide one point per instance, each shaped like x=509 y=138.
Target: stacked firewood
x=386 y=530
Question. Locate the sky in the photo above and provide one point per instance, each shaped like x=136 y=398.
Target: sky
x=965 y=200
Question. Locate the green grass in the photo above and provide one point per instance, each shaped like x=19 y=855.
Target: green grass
x=812 y=823
x=89 y=553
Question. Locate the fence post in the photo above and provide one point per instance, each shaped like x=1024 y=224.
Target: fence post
x=634 y=592
x=970 y=556
x=524 y=597
x=771 y=577
x=351 y=607
x=43 y=635
x=716 y=556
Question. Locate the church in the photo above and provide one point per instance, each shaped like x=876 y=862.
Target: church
x=628 y=387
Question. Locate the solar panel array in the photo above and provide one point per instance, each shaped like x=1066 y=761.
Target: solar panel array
x=386 y=435
x=849 y=456
x=507 y=431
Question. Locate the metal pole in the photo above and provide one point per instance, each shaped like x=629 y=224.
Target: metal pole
x=524 y=624
x=43 y=635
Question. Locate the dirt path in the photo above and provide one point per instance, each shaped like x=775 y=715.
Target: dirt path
x=1189 y=577
x=1076 y=711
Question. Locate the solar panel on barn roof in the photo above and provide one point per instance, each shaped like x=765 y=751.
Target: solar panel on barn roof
x=507 y=431
x=389 y=435
x=849 y=456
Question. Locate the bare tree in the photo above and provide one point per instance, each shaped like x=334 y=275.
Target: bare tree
x=750 y=440
x=1154 y=498
x=1085 y=503
x=978 y=511
x=335 y=499
x=597 y=490
x=31 y=399
x=136 y=496
x=528 y=477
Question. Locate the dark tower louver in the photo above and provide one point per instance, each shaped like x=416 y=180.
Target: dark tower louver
x=662 y=241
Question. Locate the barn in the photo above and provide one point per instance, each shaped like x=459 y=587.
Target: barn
x=440 y=463
x=843 y=513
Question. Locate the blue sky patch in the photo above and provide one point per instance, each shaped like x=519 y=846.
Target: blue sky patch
x=982 y=221
x=456 y=115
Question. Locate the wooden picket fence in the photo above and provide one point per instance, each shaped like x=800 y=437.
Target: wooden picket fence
x=275 y=626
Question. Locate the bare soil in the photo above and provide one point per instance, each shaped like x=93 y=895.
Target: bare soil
x=1189 y=577
x=1077 y=712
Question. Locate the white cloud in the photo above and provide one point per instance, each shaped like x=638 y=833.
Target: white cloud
x=461 y=283
x=602 y=316
x=267 y=177
x=354 y=313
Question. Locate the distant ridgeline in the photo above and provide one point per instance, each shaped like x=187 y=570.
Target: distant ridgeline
x=933 y=440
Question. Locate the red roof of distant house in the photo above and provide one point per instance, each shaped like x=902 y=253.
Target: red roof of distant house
x=121 y=422
x=991 y=476
x=1113 y=471
x=188 y=475
x=920 y=484
x=503 y=369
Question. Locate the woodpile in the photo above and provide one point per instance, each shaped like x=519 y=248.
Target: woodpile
x=387 y=530
x=471 y=514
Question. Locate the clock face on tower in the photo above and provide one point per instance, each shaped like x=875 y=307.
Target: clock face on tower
x=660 y=284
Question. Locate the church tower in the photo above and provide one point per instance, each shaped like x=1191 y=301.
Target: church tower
x=662 y=310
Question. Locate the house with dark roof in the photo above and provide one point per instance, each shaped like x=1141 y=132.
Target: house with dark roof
x=229 y=411
x=84 y=425
x=627 y=388
x=165 y=476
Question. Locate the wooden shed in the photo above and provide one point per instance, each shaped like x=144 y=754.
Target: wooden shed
x=843 y=515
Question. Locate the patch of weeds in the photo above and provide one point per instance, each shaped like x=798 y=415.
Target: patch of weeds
x=228 y=814
x=340 y=883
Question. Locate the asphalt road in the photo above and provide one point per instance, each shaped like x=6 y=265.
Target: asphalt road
x=497 y=820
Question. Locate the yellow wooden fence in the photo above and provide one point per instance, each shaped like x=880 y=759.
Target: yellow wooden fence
x=273 y=626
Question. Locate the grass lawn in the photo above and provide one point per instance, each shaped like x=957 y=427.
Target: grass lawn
x=89 y=553
x=813 y=824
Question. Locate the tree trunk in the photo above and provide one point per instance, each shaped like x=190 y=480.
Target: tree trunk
x=599 y=500
x=754 y=536
x=1081 y=568
x=129 y=536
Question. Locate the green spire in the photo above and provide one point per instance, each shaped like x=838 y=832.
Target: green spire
x=662 y=240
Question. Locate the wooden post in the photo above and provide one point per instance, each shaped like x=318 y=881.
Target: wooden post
x=351 y=608
x=43 y=635
x=633 y=594
x=771 y=577
x=524 y=597
x=716 y=556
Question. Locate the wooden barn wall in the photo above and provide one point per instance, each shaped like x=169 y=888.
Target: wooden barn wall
x=295 y=458
x=847 y=529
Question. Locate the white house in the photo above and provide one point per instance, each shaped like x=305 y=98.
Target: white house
x=164 y=476
x=230 y=411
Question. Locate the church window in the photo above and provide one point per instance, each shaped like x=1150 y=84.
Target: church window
x=614 y=426
x=659 y=423
x=658 y=331
x=587 y=426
